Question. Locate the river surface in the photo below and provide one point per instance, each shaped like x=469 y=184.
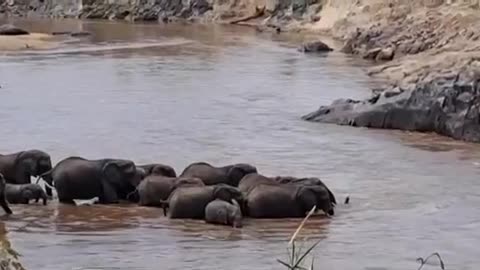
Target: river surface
x=178 y=94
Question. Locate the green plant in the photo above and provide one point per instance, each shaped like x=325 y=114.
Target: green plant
x=296 y=255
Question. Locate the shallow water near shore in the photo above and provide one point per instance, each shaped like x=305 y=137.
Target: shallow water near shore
x=183 y=93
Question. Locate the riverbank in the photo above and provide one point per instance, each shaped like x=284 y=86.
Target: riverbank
x=8 y=257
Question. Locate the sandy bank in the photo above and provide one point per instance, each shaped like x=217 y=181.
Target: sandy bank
x=27 y=42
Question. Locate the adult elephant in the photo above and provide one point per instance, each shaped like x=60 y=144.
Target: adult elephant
x=157 y=188
x=252 y=180
x=190 y=202
x=210 y=175
x=287 y=201
x=111 y=180
x=158 y=169
x=18 y=168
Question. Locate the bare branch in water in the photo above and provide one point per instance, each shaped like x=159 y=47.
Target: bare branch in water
x=424 y=261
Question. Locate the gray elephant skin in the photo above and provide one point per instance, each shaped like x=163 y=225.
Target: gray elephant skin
x=224 y=213
x=250 y=181
x=23 y=193
x=284 y=196
x=18 y=168
x=158 y=169
x=111 y=180
x=190 y=202
x=210 y=175
x=3 y=199
x=155 y=189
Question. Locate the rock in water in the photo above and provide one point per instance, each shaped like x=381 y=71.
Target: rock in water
x=10 y=30
x=315 y=47
x=444 y=103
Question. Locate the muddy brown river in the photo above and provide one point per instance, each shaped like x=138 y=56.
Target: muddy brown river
x=181 y=93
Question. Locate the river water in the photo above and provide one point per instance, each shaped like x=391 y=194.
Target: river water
x=181 y=93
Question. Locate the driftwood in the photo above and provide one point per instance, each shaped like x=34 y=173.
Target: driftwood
x=259 y=12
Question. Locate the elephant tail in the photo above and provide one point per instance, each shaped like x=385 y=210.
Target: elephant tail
x=347 y=200
x=164 y=205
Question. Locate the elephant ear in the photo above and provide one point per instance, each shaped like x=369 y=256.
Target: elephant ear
x=306 y=198
x=27 y=194
x=222 y=192
x=27 y=162
x=235 y=174
x=112 y=177
x=164 y=170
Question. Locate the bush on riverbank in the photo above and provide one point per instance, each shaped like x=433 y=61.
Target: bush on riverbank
x=8 y=257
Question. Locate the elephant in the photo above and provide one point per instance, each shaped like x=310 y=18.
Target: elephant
x=252 y=180
x=224 y=213
x=23 y=193
x=156 y=188
x=18 y=168
x=286 y=200
x=210 y=175
x=3 y=198
x=158 y=169
x=111 y=180
x=190 y=202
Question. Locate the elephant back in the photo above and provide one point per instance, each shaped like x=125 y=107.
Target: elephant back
x=250 y=181
x=209 y=174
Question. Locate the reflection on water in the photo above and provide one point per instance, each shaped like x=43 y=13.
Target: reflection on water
x=225 y=95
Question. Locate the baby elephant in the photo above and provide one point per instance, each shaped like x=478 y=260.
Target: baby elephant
x=24 y=193
x=224 y=213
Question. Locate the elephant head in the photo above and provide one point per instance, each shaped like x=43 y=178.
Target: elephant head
x=309 y=196
x=236 y=172
x=159 y=169
x=228 y=193
x=119 y=178
x=32 y=163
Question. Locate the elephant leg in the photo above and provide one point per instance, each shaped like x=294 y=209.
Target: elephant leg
x=109 y=193
x=4 y=204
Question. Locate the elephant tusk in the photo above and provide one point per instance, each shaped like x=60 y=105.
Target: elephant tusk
x=48 y=185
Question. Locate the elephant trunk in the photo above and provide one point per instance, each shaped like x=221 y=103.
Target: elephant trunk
x=237 y=215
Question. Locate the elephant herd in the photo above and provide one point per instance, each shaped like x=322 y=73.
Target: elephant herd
x=219 y=195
